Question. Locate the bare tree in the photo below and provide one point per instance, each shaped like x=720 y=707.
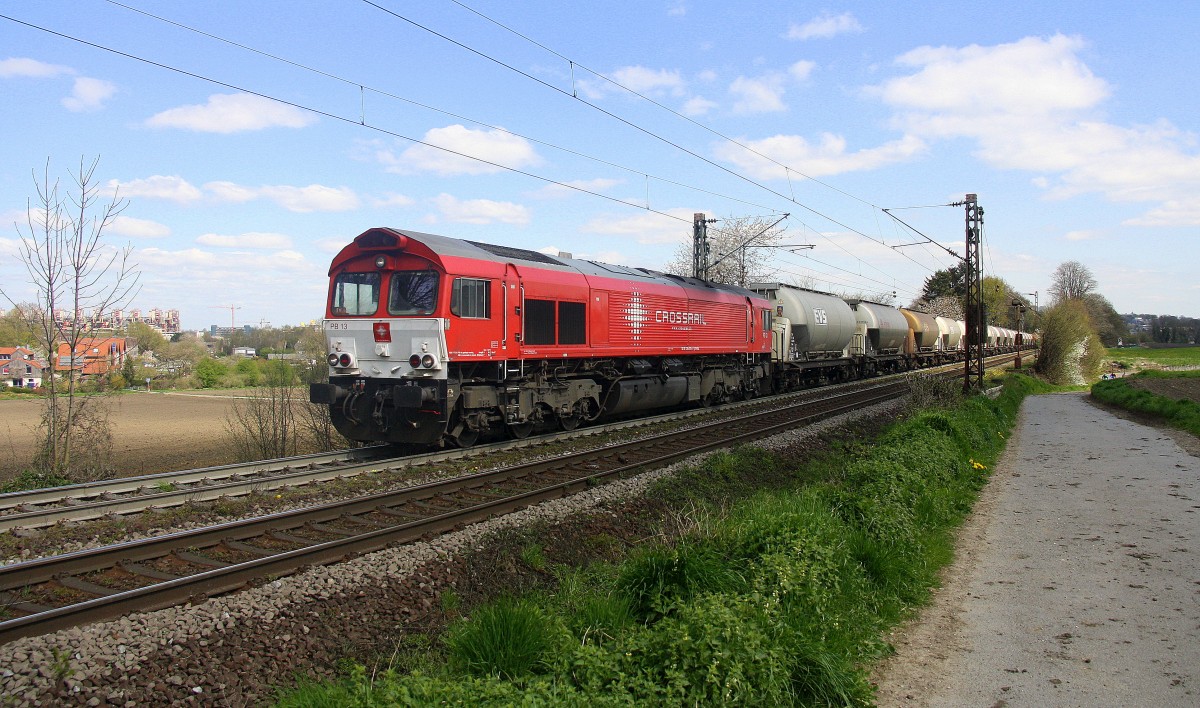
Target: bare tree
x=72 y=271
x=263 y=424
x=1071 y=281
x=742 y=251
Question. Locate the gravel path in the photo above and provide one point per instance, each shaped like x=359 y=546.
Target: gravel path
x=1077 y=582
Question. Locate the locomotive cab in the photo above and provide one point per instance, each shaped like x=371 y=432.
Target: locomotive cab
x=385 y=330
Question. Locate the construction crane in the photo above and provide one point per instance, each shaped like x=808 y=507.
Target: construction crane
x=232 y=313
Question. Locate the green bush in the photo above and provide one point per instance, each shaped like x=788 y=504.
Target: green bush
x=209 y=372
x=508 y=638
x=34 y=479
x=248 y=370
x=1069 y=351
x=662 y=578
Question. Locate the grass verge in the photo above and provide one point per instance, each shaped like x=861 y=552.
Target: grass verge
x=1182 y=413
x=775 y=596
x=1166 y=356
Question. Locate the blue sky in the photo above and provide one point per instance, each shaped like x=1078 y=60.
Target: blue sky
x=1074 y=122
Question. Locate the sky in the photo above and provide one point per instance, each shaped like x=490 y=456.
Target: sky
x=252 y=141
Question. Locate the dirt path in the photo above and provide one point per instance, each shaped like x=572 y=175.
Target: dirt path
x=1077 y=582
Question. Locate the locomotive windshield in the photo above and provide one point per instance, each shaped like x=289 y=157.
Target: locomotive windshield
x=356 y=294
x=413 y=292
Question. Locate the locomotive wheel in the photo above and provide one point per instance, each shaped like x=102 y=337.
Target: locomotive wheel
x=569 y=422
x=465 y=437
x=520 y=431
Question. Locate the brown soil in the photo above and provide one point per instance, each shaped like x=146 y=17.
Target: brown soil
x=1177 y=389
x=152 y=432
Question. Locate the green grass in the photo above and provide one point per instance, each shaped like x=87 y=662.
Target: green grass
x=1182 y=414
x=776 y=596
x=33 y=479
x=1170 y=356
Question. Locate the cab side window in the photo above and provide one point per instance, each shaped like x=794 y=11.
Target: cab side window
x=470 y=297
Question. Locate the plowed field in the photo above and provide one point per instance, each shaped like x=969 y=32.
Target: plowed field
x=1176 y=389
x=152 y=432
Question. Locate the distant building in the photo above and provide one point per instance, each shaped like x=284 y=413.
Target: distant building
x=165 y=321
x=22 y=368
x=244 y=351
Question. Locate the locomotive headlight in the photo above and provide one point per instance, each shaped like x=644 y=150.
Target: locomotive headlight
x=333 y=359
x=427 y=361
x=380 y=261
x=345 y=360
x=414 y=361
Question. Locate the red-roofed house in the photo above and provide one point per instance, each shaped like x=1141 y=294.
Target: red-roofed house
x=93 y=356
x=21 y=367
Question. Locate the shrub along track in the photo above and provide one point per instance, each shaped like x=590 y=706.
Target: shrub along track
x=62 y=591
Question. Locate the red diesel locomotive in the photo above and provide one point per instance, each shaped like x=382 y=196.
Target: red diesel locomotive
x=436 y=340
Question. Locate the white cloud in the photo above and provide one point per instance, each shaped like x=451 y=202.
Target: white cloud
x=824 y=26
x=1032 y=77
x=1031 y=105
x=391 y=200
x=232 y=113
x=644 y=80
x=138 y=228
x=231 y=192
x=173 y=188
x=503 y=149
x=250 y=239
x=761 y=95
x=645 y=227
x=801 y=70
x=1082 y=235
x=314 y=197
x=649 y=81
x=697 y=106
x=677 y=8
x=1171 y=212
x=31 y=68
x=89 y=94
x=481 y=211
x=828 y=157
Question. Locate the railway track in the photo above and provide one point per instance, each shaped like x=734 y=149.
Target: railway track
x=40 y=508
x=84 y=502
x=62 y=591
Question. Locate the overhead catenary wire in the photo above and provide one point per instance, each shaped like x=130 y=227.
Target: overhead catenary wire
x=633 y=125
x=574 y=63
x=361 y=120
x=356 y=121
x=363 y=87
x=351 y=121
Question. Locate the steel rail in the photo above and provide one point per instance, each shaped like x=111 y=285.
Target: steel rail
x=670 y=447
x=200 y=475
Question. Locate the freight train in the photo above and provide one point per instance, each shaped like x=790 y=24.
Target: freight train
x=435 y=340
